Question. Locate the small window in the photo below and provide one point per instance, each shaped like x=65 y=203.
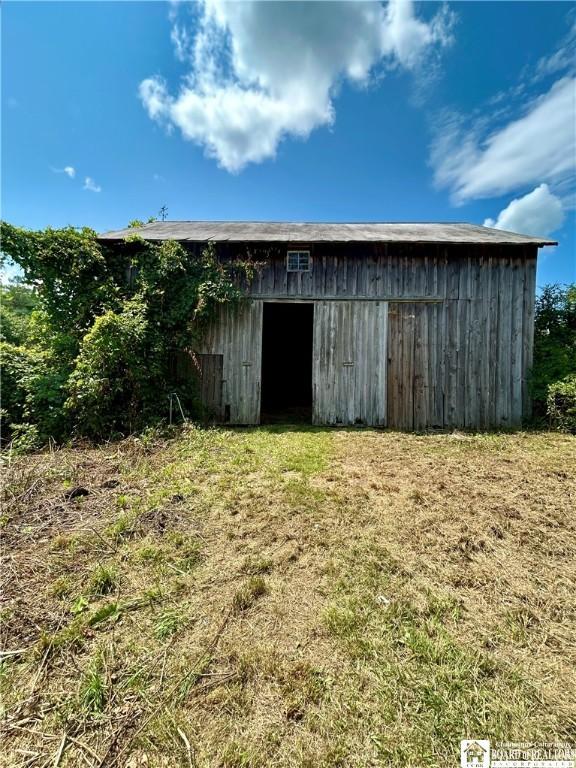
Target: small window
x=298 y=261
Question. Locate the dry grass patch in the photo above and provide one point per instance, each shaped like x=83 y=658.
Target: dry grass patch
x=288 y=597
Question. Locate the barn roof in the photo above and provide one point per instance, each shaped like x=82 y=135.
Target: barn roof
x=318 y=232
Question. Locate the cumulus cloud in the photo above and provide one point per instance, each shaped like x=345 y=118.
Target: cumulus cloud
x=538 y=213
x=539 y=145
x=91 y=185
x=260 y=71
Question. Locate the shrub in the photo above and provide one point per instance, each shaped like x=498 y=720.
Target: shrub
x=24 y=438
x=33 y=392
x=92 y=335
x=561 y=404
x=113 y=384
x=17 y=365
x=554 y=341
x=17 y=302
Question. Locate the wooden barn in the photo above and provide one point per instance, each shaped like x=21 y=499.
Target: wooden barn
x=408 y=326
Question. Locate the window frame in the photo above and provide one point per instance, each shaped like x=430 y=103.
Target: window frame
x=300 y=252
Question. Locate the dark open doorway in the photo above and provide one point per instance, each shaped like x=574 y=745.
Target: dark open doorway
x=287 y=362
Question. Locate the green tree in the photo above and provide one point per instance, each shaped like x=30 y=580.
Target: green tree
x=17 y=303
x=105 y=326
x=554 y=340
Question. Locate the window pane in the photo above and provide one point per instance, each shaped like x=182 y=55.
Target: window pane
x=298 y=261
x=292 y=260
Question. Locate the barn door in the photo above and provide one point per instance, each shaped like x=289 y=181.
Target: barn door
x=416 y=366
x=235 y=335
x=349 y=362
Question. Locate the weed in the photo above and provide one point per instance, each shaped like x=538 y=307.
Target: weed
x=254 y=566
x=190 y=555
x=235 y=755
x=103 y=613
x=64 y=542
x=61 y=587
x=103 y=580
x=69 y=637
x=122 y=502
x=79 y=605
x=93 y=689
x=417 y=496
x=5 y=615
x=150 y=554
x=168 y=624
x=121 y=528
x=249 y=593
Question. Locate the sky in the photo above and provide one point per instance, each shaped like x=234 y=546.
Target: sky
x=293 y=111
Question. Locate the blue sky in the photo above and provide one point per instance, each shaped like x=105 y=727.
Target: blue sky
x=292 y=111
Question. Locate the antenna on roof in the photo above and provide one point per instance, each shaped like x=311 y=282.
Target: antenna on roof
x=163 y=212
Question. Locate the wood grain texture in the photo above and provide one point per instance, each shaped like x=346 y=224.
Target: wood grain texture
x=237 y=335
x=349 y=363
x=435 y=339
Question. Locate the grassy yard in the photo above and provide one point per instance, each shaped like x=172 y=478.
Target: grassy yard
x=288 y=597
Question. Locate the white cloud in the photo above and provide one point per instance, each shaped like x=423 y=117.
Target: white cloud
x=562 y=59
x=538 y=213
x=91 y=185
x=540 y=145
x=69 y=170
x=181 y=41
x=261 y=71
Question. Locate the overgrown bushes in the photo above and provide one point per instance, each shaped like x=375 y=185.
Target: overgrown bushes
x=113 y=384
x=88 y=351
x=554 y=370
x=561 y=404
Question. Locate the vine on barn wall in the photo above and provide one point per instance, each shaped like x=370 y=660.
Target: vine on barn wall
x=95 y=360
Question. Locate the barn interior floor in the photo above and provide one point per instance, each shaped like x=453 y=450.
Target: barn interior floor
x=287 y=363
x=294 y=415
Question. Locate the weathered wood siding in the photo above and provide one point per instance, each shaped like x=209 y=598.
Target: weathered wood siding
x=211 y=373
x=455 y=324
x=387 y=272
x=349 y=362
x=464 y=361
x=237 y=335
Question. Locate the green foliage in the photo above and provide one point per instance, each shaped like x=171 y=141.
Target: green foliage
x=18 y=365
x=33 y=392
x=91 y=354
x=561 y=404
x=168 y=624
x=554 y=341
x=94 y=689
x=24 y=438
x=110 y=386
x=17 y=303
x=75 y=278
x=103 y=580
